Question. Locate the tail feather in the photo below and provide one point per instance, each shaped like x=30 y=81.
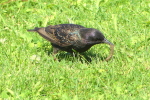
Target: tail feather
x=33 y=30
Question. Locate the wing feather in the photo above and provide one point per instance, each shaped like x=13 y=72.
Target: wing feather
x=62 y=35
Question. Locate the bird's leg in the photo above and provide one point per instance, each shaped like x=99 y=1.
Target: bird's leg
x=55 y=51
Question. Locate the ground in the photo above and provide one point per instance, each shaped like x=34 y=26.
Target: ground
x=28 y=70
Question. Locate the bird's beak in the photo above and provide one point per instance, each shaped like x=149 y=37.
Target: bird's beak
x=107 y=42
x=111 y=49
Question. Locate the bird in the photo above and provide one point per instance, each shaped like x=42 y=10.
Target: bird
x=73 y=38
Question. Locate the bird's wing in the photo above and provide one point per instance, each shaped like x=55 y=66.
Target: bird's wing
x=62 y=35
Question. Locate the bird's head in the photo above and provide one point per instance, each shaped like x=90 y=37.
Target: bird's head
x=92 y=36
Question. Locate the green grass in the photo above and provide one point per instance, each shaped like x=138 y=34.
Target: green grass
x=27 y=68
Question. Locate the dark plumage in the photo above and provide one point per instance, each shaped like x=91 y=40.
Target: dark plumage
x=72 y=37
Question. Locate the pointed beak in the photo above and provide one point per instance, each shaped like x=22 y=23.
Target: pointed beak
x=107 y=42
x=111 y=49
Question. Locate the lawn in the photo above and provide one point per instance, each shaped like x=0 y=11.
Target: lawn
x=28 y=70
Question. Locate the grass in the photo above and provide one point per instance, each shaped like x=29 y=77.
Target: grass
x=28 y=71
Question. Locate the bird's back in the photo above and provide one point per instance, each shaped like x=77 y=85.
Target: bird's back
x=62 y=35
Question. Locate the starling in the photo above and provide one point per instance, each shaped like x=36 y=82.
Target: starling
x=72 y=38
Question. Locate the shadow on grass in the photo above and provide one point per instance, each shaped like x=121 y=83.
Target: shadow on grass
x=86 y=57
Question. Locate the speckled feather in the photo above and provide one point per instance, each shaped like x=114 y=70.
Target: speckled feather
x=63 y=35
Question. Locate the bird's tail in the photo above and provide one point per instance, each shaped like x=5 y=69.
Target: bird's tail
x=33 y=30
